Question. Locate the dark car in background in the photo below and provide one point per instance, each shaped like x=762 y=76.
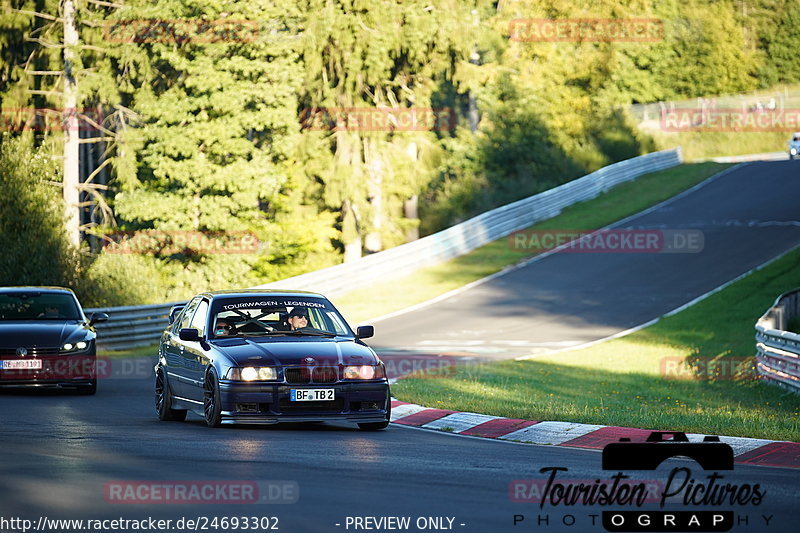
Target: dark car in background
x=46 y=341
x=262 y=357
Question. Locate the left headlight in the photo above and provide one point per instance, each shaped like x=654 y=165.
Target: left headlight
x=75 y=346
x=364 y=372
x=253 y=373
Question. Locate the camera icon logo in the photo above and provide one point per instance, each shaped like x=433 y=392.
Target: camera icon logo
x=711 y=454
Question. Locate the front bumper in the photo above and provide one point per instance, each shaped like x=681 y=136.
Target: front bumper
x=58 y=371
x=264 y=403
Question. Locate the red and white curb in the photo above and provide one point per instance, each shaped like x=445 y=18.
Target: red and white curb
x=746 y=451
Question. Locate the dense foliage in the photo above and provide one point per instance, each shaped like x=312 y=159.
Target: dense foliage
x=205 y=104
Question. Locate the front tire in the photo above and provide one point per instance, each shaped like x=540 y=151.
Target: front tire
x=212 y=407
x=164 y=401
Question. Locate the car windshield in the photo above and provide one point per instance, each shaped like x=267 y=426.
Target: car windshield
x=268 y=315
x=38 y=306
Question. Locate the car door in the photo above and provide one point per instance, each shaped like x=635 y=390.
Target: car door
x=174 y=347
x=195 y=353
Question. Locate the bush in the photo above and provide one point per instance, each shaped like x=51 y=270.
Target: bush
x=35 y=246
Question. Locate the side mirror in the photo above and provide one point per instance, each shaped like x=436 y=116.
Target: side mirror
x=95 y=318
x=365 y=332
x=174 y=312
x=189 y=334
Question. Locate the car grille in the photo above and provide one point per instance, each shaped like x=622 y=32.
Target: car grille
x=326 y=374
x=5 y=352
x=311 y=407
x=321 y=374
x=297 y=375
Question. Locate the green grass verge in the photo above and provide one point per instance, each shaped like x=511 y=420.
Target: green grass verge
x=700 y=145
x=622 y=382
x=621 y=201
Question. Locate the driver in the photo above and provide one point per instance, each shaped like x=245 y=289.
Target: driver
x=223 y=328
x=297 y=319
x=50 y=311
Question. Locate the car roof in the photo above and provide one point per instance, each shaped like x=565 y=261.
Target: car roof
x=33 y=288
x=245 y=293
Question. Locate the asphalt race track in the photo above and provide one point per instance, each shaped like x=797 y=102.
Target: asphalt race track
x=62 y=453
x=747 y=217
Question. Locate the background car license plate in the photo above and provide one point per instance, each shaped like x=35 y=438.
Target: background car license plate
x=311 y=395
x=21 y=364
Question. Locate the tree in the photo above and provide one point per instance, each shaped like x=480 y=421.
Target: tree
x=50 y=48
x=365 y=56
x=212 y=146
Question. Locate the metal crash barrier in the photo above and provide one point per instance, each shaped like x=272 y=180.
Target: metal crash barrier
x=778 y=350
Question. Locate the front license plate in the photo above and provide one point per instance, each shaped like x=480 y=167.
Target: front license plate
x=21 y=364
x=312 y=395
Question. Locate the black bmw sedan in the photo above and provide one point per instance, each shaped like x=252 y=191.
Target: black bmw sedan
x=266 y=356
x=46 y=340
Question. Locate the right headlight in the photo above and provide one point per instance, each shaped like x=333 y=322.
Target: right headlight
x=253 y=373
x=364 y=372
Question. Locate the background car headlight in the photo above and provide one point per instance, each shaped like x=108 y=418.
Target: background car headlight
x=75 y=347
x=364 y=372
x=253 y=373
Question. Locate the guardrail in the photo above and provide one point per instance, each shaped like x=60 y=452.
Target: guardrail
x=464 y=237
x=130 y=327
x=778 y=350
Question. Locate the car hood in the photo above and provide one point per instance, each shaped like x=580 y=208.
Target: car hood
x=44 y=334
x=289 y=351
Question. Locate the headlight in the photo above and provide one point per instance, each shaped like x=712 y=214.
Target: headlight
x=364 y=372
x=251 y=373
x=794 y=151
x=76 y=347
